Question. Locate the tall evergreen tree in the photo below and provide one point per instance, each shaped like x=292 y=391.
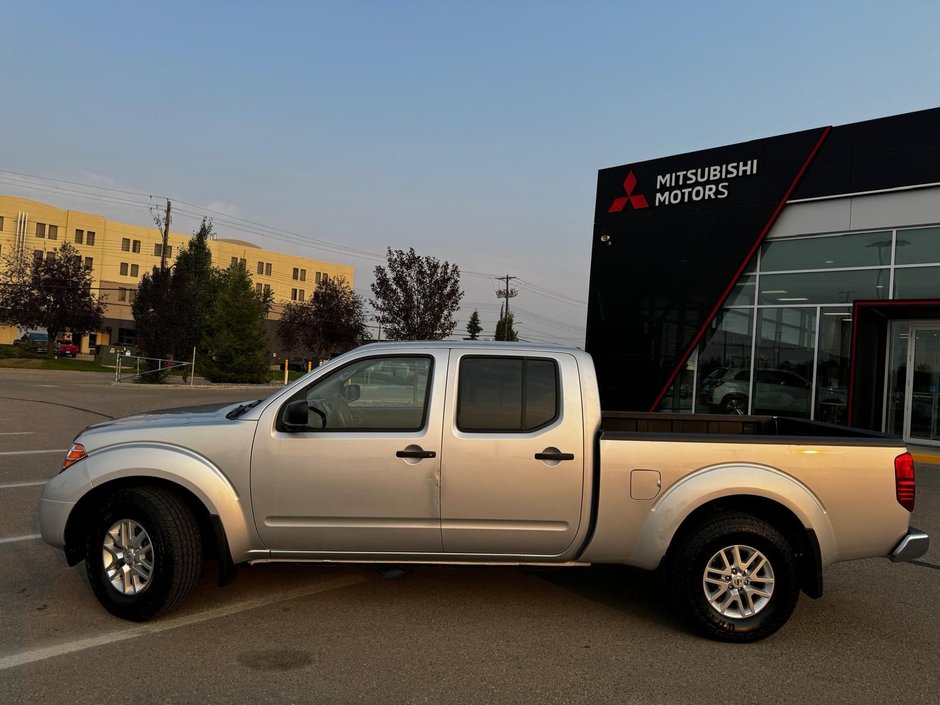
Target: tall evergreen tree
x=194 y=287
x=236 y=342
x=505 y=329
x=473 y=326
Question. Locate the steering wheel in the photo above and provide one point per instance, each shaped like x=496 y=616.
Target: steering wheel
x=342 y=415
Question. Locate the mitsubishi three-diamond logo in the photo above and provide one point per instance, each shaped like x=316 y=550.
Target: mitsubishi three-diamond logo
x=635 y=200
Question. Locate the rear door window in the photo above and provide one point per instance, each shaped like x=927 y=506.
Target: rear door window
x=506 y=394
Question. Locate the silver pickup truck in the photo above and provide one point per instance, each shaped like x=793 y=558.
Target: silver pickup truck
x=485 y=453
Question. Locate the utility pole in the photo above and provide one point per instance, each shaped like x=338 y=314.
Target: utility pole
x=507 y=293
x=166 y=236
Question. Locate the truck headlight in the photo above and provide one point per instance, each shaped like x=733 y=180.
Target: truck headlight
x=76 y=453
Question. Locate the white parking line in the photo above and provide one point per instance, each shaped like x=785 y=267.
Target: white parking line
x=17 y=433
x=33 y=452
x=14 y=539
x=22 y=484
x=70 y=647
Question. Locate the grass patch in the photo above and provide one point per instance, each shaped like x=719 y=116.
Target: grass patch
x=49 y=363
x=16 y=357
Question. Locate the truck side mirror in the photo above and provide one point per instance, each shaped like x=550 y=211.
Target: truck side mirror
x=296 y=415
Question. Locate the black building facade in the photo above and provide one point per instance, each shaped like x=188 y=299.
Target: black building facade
x=796 y=275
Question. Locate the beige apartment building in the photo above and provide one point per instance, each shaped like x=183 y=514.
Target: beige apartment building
x=119 y=254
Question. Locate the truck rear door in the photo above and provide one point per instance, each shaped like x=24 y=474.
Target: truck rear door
x=512 y=473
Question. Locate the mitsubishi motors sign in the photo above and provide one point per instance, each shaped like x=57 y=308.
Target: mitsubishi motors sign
x=700 y=184
x=671 y=236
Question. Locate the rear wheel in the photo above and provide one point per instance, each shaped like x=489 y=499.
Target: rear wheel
x=143 y=554
x=736 y=578
x=734 y=404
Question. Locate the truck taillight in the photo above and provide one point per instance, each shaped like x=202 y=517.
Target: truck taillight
x=904 y=480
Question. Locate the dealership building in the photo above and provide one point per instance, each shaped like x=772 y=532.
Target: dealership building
x=795 y=275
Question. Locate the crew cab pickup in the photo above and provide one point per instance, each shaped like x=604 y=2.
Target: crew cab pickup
x=489 y=453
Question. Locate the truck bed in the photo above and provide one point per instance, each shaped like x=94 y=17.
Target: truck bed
x=768 y=428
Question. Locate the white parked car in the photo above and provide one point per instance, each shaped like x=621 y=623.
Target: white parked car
x=776 y=391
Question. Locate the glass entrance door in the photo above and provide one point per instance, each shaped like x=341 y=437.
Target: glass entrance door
x=922 y=397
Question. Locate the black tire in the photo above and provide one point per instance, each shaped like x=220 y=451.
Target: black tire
x=734 y=404
x=748 y=593
x=171 y=547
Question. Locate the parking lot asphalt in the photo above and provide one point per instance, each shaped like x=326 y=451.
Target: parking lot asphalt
x=286 y=633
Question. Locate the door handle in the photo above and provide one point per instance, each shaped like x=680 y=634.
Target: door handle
x=554 y=456
x=416 y=454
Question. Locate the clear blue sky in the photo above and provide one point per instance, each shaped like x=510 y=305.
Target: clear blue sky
x=471 y=131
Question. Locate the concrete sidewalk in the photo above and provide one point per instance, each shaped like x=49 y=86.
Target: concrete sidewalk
x=929 y=455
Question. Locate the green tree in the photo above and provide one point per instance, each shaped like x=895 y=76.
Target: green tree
x=505 y=329
x=236 y=341
x=51 y=292
x=473 y=326
x=416 y=296
x=332 y=321
x=172 y=306
x=194 y=286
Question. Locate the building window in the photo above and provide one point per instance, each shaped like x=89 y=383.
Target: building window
x=136 y=246
x=258 y=289
x=131 y=295
x=79 y=236
x=295 y=275
x=90 y=237
x=301 y=294
x=267 y=288
x=77 y=260
x=293 y=294
x=296 y=294
x=267 y=269
x=303 y=275
x=122 y=294
x=158 y=250
x=319 y=277
x=123 y=269
x=50 y=257
x=53 y=232
x=37 y=256
x=234 y=261
x=260 y=267
x=125 y=244
x=127 y=336
x=135 y=270
x=89 y=263
x=1 y=222
x=40 y=230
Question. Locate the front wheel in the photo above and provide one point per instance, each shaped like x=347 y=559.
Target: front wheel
x=736 y=578
x=143 y=554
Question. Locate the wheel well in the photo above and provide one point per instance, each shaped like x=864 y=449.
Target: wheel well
x=84 y=510
x=803 y=540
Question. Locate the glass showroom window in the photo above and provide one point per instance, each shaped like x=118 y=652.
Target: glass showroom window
x=783 y=362
x=726 y=354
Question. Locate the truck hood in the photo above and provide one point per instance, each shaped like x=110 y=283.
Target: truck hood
x=204 y=414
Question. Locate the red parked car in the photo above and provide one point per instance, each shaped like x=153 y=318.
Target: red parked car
x=65 y=348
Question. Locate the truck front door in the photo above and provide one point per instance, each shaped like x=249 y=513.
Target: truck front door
x=363 y=476
x=513 y=454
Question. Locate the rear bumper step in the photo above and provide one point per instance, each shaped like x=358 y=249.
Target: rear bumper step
x=911 y=547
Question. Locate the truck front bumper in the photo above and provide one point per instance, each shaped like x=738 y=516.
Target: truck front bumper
x=911 y=547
